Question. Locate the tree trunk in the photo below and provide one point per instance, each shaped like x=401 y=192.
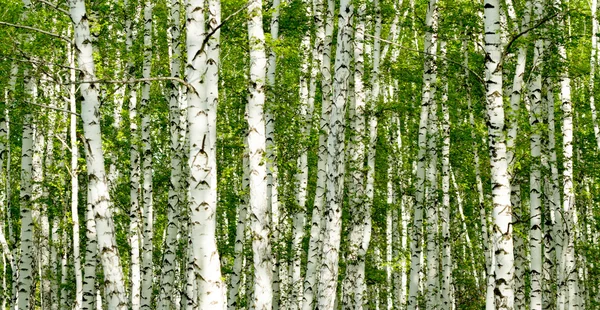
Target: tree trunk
x=336 y=161
x=26 y=258
x=202 y=75
x=446 y=301
x=535 y=177
x=242 y=217
x=314 y=257
x=430 y=48
x=175 y=203
x=99 y=197
x=502 y=213
x=147 y=207
x=279 y=282
x=263 y=275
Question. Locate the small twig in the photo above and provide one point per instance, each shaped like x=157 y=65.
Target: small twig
x=37 y=30
x=210 y=34
x=65 y=144
x=54 y=6
x=54 y=108
x=522 y=33
x=425 y=53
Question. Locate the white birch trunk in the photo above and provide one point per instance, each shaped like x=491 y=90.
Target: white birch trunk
x=242 y=217
x=134 y=175
x=26 y=258
x=279 y=282
x=314 y=256
x=175 y=203
x=513 y=125
x=594 y=59
x=336 y=161
x=567 y=275
x=432 y=273
x=428 y=91
x=352 y=299
x=554 y=199
x=89 y=267
x=263 y=274
x=446 y=283
x=202 y=103
x=502 y=214
x=301 y=177
x=147 y=206
x=99 y=197
x=535 y=177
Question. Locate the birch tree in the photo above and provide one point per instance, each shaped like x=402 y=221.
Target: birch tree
x=430 y=48
x=335 y=160
x=202 y=76
x=502 y=214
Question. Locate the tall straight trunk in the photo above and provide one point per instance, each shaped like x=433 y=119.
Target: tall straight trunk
x=169 y=270
x=356 y=172
x=391 y=215
x=551 y=193
x=535 y=176
x=427 y=99
x=89 y=267
x=336 y=160
x=431 y=204
x=8 y=259
x=483 y=215
x=202 y=75
x=263 y=292
x=56 y=267
x=99 y=197
x=445 y=290
x=594 y=59
x=301 y=176
x=42 y=136
x=75 y=187
x=272 y=169
x=554 y=201
x=134 y=162
x=147 y=207
x=314 y=257
x=567 y=275
x=502 y=213
x=242 y=217
x=26 y=258
x=513 y=126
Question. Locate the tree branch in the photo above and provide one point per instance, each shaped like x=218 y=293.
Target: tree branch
x=54 y=108
x=425 y=53
x=54 y=6
x=132 y=81
x=37 y=30
x=522 y=33
x=210 y=34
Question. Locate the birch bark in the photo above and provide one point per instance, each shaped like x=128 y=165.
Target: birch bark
x=272 y=169
x=175 y=203
x=263 y=274
x=26 y=258
x=336 y=160
x=202 y=75
x=567 y=275
x=314 y=256
x=535 y=177
x=99 y=197
x=147 y=206
x=430 y=49
x=502 y=213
